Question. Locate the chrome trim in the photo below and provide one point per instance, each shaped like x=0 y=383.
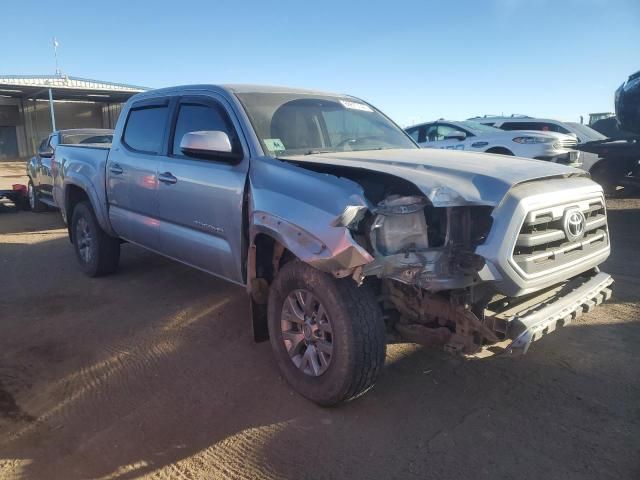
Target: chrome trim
x=508 y=218
x=554 y=213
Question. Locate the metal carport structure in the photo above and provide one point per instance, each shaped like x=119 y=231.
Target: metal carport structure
x=31 y=106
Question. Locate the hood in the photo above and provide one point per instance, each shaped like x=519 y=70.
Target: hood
x=448 y=177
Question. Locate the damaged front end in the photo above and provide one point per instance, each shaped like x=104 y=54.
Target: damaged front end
x=403 y=251
x=431 y=288
x=434 y=257
x=425 y=267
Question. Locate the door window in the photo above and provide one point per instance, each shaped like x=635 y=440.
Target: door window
x=144 y=130
x=445 y=130
x=43 y=144
x=414 y=133
x=432 y=133
x=539 y=126
x=195 y=117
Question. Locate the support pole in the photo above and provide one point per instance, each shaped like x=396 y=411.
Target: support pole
x=53 y=115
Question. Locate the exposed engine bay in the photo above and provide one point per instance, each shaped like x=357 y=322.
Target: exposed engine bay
x=424 y=267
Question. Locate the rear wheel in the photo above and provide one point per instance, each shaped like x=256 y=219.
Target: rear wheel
x=34 y=199
x=328 y=335
x=98 y=253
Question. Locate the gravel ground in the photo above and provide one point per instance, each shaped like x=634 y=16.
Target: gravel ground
x=152 y=373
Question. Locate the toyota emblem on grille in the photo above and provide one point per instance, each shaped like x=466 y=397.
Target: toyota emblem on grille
x=574 y=225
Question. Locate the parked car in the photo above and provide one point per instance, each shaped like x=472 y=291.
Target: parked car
x=582 y=133
x=476 y=137
x=341 y=229
x=39 y=168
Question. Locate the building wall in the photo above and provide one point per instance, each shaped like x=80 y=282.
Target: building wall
x=12 y=135
x=31 y=121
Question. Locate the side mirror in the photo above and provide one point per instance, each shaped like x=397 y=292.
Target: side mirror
x=456 y=135
x=46 y=153
x=208 y=144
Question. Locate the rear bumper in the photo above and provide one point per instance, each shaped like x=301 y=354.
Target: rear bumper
x=580 y=295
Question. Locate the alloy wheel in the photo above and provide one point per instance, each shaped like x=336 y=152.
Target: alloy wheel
x=307 y=332
x=84 y=240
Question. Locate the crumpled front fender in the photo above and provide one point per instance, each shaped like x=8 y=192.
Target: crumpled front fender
x=299 y=208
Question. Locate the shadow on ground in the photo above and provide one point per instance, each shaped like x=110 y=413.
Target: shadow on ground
x=153 y=371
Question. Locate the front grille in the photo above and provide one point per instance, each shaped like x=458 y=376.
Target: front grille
x=543 y=245
x=568 y=143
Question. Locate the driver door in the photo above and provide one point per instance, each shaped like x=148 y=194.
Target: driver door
x=201 y=199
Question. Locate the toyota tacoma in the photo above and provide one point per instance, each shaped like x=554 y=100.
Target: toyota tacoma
x=344 y=233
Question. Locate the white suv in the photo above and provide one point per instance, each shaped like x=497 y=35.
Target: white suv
x=582 y=133
x=476 y=137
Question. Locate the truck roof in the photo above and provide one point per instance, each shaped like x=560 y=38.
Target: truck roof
x=239 y=88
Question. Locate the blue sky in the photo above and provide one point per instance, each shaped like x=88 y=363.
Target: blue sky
x=414 y=60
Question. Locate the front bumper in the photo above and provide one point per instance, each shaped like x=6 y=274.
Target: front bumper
x=561 y=306
x=570 y=158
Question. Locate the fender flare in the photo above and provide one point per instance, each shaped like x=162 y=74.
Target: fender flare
x=99 y=208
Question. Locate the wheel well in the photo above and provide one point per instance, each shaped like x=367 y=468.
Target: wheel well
x=500 y=151
x=74 y=195
x=266 y=257
x=271 y=255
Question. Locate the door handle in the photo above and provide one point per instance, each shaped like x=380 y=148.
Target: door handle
x=167 y=178
x=115 y=169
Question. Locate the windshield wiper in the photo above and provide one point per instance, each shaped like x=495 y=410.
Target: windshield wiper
x=316 y=152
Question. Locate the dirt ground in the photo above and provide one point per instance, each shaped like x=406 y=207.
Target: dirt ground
x=152 y=373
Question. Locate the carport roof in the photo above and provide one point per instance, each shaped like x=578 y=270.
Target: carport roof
x=64 y=87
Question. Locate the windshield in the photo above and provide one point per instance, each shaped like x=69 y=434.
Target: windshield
x=478 y=128
x=294 y=124
x=585 y=132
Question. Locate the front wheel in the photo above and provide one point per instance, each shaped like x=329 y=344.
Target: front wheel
x=98 y=253
x=328 y=335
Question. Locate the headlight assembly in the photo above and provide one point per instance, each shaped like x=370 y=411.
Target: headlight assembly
x=531 y=139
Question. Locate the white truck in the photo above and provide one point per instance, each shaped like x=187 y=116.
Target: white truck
x=344 y=233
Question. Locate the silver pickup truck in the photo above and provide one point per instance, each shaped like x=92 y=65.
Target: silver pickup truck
x=344 y=233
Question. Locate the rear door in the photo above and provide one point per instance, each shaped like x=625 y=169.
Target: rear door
x=201 y=199
x=132 y=172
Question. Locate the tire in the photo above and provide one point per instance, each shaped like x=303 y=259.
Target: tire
x=604 y=177
x=357 y=338
x=500 y=151
x=98 y=253
x=34 y=199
